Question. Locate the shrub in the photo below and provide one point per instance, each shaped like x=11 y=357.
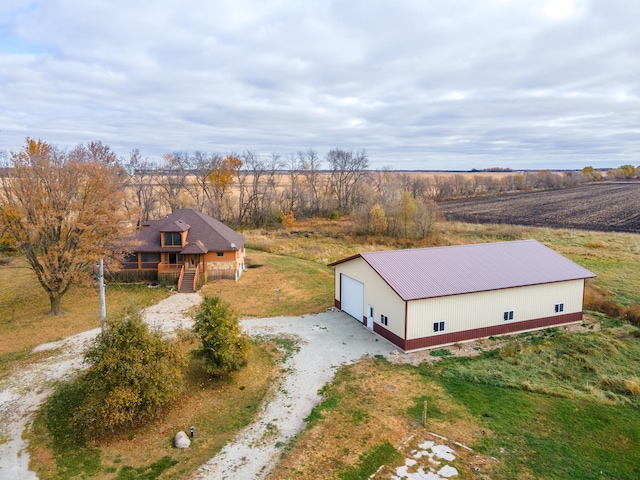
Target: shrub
x=224 y=347
x=133 y=374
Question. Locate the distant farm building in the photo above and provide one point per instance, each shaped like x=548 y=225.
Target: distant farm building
x=186 y=247
x=428 y=297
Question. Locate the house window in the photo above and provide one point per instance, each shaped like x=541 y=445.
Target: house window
x=438 y=326
x=559 y=307
x=384 y=320
x=220 y=254
x=508 y=315
x=150 y=257
x=131 y=258
x=172 y=239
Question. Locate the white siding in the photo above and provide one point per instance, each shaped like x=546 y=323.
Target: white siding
x=376 y=293
x=485 y=309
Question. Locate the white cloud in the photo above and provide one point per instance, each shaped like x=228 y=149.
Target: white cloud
x=417 y=84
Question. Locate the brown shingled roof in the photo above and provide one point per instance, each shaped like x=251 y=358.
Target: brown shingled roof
x=210 y=234
x=441 y=271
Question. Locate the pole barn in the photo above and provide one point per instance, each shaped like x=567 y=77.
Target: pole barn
x=421 y=298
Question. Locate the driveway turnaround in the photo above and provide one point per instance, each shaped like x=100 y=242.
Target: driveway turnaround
x=327 y=341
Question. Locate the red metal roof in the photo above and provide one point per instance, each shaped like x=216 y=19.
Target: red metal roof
x=441 y=271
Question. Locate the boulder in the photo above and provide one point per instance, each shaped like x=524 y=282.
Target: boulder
x=181 y=440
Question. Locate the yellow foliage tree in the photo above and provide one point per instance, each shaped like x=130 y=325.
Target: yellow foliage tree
x=223 y=174
x=63 y=211
x=287 y=219
x=377 y=220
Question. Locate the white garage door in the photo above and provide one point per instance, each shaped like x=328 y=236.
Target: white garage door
x=352 y=297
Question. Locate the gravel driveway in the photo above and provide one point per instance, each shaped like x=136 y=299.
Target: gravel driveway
x=326 y=341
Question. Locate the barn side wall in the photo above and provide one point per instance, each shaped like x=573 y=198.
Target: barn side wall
x=484 y=312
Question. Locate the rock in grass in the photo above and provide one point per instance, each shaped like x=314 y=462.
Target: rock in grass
x=181 y=440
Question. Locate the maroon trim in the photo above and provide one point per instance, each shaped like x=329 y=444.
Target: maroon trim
x=506 y=327
x=406 y=317
x=337 y=303
x=392 y=337
x=338 y=262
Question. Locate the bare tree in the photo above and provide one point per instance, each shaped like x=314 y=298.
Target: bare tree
x=348 y=168
x=257 y=187
x=171 y=178
x=292 y=198
x=310 y=163
x=140 y=185
x=62 y=210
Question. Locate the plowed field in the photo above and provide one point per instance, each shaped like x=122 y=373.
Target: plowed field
x=608 y=207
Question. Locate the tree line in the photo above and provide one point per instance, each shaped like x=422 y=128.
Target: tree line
x=65 y=209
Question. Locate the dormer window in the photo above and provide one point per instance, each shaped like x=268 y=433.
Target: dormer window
x=172 y=239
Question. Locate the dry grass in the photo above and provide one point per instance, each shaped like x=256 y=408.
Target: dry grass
x=24 y=322
x=304 y=287
x=368 y=404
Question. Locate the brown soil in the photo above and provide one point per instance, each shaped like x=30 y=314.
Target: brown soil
x=609 y=207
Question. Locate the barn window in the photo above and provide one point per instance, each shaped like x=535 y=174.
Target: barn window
x=508 y=315
x=438 y=326
x=384 y=320
x=220 y=254
x=559 y=307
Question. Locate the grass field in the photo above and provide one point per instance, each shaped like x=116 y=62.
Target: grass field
x=304 y=286
x=24 y=305
x=572 y=430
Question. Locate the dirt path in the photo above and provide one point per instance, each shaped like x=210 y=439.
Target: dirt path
x=326 y=340
x=22 y=393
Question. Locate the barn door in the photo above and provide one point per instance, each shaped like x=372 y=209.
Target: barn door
x=370 y=317
x=352 y=297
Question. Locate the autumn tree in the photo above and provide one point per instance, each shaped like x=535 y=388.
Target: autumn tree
x=377 y=220
x=406 y=212
x=63 y=211
x=133 y=374
x=225 y=348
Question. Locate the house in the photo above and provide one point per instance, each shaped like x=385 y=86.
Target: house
x=421 y=298
x=186 y=247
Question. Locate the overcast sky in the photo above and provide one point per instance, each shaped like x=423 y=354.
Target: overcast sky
x=418 y=84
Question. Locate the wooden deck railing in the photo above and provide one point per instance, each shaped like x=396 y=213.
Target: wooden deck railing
x=195 y=278
x=181 y=276
x=170 y=267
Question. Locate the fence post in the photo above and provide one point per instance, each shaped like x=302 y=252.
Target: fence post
x=424 y=414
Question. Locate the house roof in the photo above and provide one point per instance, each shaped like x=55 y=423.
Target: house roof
x=204 y=234
x=441 y=271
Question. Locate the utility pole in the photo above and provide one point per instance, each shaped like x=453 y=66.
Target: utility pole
x=103 y=306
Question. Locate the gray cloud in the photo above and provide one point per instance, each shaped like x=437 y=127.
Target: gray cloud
x=433 y=85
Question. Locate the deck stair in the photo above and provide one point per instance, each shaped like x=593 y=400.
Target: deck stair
x=188 y=281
